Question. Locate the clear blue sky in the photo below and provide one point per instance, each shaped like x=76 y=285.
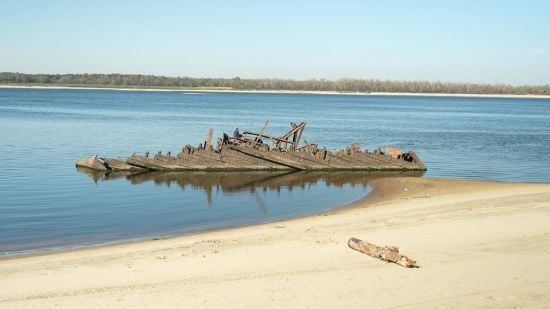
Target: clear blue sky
x=467 y=41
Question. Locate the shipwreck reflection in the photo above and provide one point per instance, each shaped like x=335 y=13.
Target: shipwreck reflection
x=250 y=181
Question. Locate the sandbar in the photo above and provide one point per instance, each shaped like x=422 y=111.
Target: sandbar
x=478 y=244
x=203 y=90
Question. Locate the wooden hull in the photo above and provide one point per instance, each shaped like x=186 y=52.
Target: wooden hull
x=251 y=154
x=92 y=163
x=240 y=158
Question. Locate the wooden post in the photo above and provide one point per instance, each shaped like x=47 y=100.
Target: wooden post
x=388 y=254
x=262 y=131
x=208 y=141
x=294 y=137
x=302 y=126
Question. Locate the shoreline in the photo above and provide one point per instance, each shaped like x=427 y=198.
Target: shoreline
x=60 y=250
x=192 y=90
x=478 y=243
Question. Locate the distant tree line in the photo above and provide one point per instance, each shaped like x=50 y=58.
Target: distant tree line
x=340 y=85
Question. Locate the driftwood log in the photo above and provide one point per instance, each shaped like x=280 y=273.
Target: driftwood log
x=388 y=254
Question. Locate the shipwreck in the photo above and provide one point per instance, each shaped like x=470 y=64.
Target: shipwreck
x=257 y=151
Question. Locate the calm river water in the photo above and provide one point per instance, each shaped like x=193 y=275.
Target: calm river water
x=46 y=204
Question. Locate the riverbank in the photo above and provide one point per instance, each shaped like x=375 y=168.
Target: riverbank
x=201 y=90
x=482 y=244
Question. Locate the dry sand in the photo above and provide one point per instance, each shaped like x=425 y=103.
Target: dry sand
x=478 y=244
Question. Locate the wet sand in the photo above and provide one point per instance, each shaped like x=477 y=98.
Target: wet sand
x=478 y=244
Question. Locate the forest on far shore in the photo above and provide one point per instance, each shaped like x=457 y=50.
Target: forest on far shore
x=340 y=85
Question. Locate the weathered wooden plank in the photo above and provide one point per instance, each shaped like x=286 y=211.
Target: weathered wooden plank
x=117 y=165
x=92 y=163
x=310 y=160
x=249 y=162
x=208 y=141
x=362 y=158
x=278 y=159
x=339 y=162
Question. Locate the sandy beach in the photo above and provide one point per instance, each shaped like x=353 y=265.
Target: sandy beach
x=478 y=244
x=198 y=91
